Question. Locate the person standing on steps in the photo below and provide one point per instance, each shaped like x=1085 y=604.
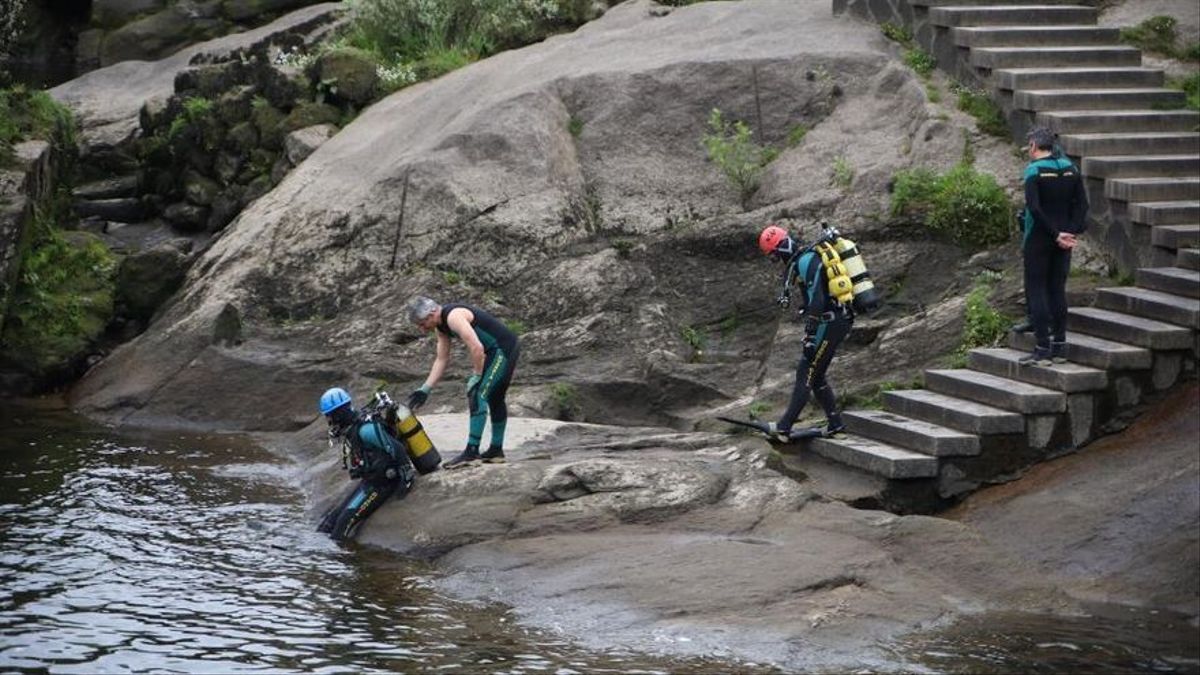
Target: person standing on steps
x=826 y=323
x=1055 y=213
x=493 y=350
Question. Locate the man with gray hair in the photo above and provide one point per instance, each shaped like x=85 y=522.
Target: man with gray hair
x=493 y=350
x=1055 y=212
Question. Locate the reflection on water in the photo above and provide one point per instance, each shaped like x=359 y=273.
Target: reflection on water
x=190 y=554
x=1109 y=640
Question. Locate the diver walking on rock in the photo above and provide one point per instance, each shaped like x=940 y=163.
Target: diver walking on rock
x=493 y=350
x=827 y=321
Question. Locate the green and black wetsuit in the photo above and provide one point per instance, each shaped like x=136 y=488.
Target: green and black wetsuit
x=383 y=465
x=826 y=323
x=501 y=349
x=1055 y=201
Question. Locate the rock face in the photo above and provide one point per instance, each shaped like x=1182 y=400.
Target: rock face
x=107 y=101
x=564 y=187
x=681 y=543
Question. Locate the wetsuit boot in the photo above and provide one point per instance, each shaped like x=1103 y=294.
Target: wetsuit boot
x=1058 y=352
x=468 y=457
x=493 y=455
x=1039 y=357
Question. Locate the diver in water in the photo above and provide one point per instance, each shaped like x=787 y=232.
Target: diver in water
x=369 y=453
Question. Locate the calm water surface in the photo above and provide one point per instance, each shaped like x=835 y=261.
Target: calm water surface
x=183 y=553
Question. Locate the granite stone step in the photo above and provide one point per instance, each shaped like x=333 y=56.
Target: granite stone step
x=1096 y=99
x=1093 y=351
x=1034 y=35
x=1188 y=258
x=1157 y=189
x=1149 y=142
x=1100 y=121
x=1151 y=304
x=1025 y=14
x=1165 y=213
x=1127 y=328
x=1010 y=79
x=1047 y=57
x=1133 y=166
x=1065 y=377
x=911 y=434
x=1173 y=280
x=996 y=391
x=953 y=412
x=1175 y=236
x=875 y=457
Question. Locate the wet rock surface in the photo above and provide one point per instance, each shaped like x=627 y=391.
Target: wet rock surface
x=687 y=543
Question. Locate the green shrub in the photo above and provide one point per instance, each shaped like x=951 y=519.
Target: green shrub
x=758 y=409
x=983 y=326
x=896 y=33
x=1191 y=88
x=433 y=37
x=62 y=300
x=517 y=326
x=1156 y=34
x=565 y=399
x=623 y=247
x=920 y=61
x=28 y=114
x=965 y=205
x=796 y=135
x=933 y=93
x=575 y=126
x=843 y=173
x=988 y=116
x=693 y=337
x=731 y=148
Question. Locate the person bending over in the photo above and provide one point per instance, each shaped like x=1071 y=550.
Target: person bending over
x=493 y=350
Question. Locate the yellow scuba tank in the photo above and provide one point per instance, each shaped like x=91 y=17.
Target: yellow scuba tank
x=840 y=286
x=866 y=298
x=420 y=449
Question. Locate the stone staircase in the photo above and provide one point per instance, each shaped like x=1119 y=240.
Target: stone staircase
x=991 y=420
x=1048 y=63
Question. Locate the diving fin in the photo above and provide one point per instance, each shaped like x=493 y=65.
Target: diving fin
x=764 y=428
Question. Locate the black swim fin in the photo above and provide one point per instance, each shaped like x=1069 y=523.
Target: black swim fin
x=764 y=428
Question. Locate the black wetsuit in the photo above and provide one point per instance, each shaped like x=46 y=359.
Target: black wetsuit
x=501 y=350
x=1055 y=201
x=826 y=323
x=373 y=452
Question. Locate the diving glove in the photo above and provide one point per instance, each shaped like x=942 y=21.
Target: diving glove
x=418 y=397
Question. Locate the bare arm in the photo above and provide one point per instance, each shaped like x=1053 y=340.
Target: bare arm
x=439 y=361
x=459 y=321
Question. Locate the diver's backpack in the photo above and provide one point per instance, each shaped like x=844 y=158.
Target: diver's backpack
x=846 y=273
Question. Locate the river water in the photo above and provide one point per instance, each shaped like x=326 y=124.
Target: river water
x=192 y=553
